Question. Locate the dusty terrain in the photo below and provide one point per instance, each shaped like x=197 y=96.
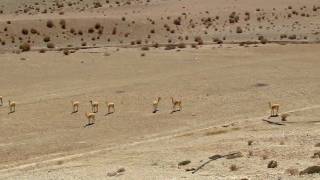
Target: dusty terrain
x=224 y=77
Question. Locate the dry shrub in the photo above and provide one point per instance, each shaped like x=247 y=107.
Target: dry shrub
x=50 y=24
x=90 y=30
x=114 y=31
x=272 y=164
x=143 y=54
x=250 y=142
x=66 y=52
x=62 y=23
x=138 y=41
x=217 y=40
x=25 y=31
x=283 y=36
x=50 y=45
x=155 y=45
x=145 y=48
x=181 y=45
x=292 y=37
x=284 y=116
x=97 y=26
x=42 y=51
x=25 y=47
x=199 y=40
x=292 y=171
x=177 y=21
x=46 y=39
x=263 y=40
x=170 y=47
x=239 y=29
x=265 y=156
x=233 y=167
x=33 y=31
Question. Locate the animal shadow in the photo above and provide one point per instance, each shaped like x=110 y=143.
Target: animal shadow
x=174 y=111
x=109 y=113
x=88 y=125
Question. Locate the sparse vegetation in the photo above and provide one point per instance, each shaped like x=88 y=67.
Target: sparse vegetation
x=233 y=167
x=50 y=24
x=272 y=164
x=50 y=45
x=46 y=39
x=25 y=47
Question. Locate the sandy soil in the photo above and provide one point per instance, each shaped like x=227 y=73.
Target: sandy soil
x=224 y=78
x=218 y=86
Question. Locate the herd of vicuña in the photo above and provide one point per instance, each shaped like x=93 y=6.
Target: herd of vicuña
x=176 y=106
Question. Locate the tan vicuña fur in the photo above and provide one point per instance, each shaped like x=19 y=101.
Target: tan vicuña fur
x=12 y=106
x=175 y=104
x=75 y=106
x=274 y=109
x=91 y=117
x=94 y=106
x=110 y=106
x=156 y=104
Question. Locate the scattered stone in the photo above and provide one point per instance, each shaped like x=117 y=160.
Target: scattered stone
x=106 y=54
x=234 y=155
x=214 y=157
x=317 y=145
x=110 y=174
x=284 y=116
x=183 y=163
x=292 y=172
x=316 y=155
x=190 y=169
x=311 y=170
x=121 y=170
x=272 y=164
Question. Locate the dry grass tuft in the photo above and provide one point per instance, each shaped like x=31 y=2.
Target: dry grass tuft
x=50 y=24
x=25 y=47
x=233 y=167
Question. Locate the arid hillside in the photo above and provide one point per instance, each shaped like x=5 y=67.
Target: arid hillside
x=36 y=24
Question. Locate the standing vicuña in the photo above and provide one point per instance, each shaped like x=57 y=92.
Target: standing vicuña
x=91 y=117
x=274 y=109
x=75 y=106
x=12 y=106
x=94 y=106
x=175 y=104
x=1 y=101
x=110 y=106
x=156 y=104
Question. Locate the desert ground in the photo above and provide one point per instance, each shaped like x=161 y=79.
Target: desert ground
x=225 y=61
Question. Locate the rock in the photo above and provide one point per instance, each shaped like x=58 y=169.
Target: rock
x=121 y=170
x=110 y=174
x=316 y=155
x=311 y=170
x=190 y=169
x=183 y=163
x=214 y=157
x=272 y=164
x=234 y=155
